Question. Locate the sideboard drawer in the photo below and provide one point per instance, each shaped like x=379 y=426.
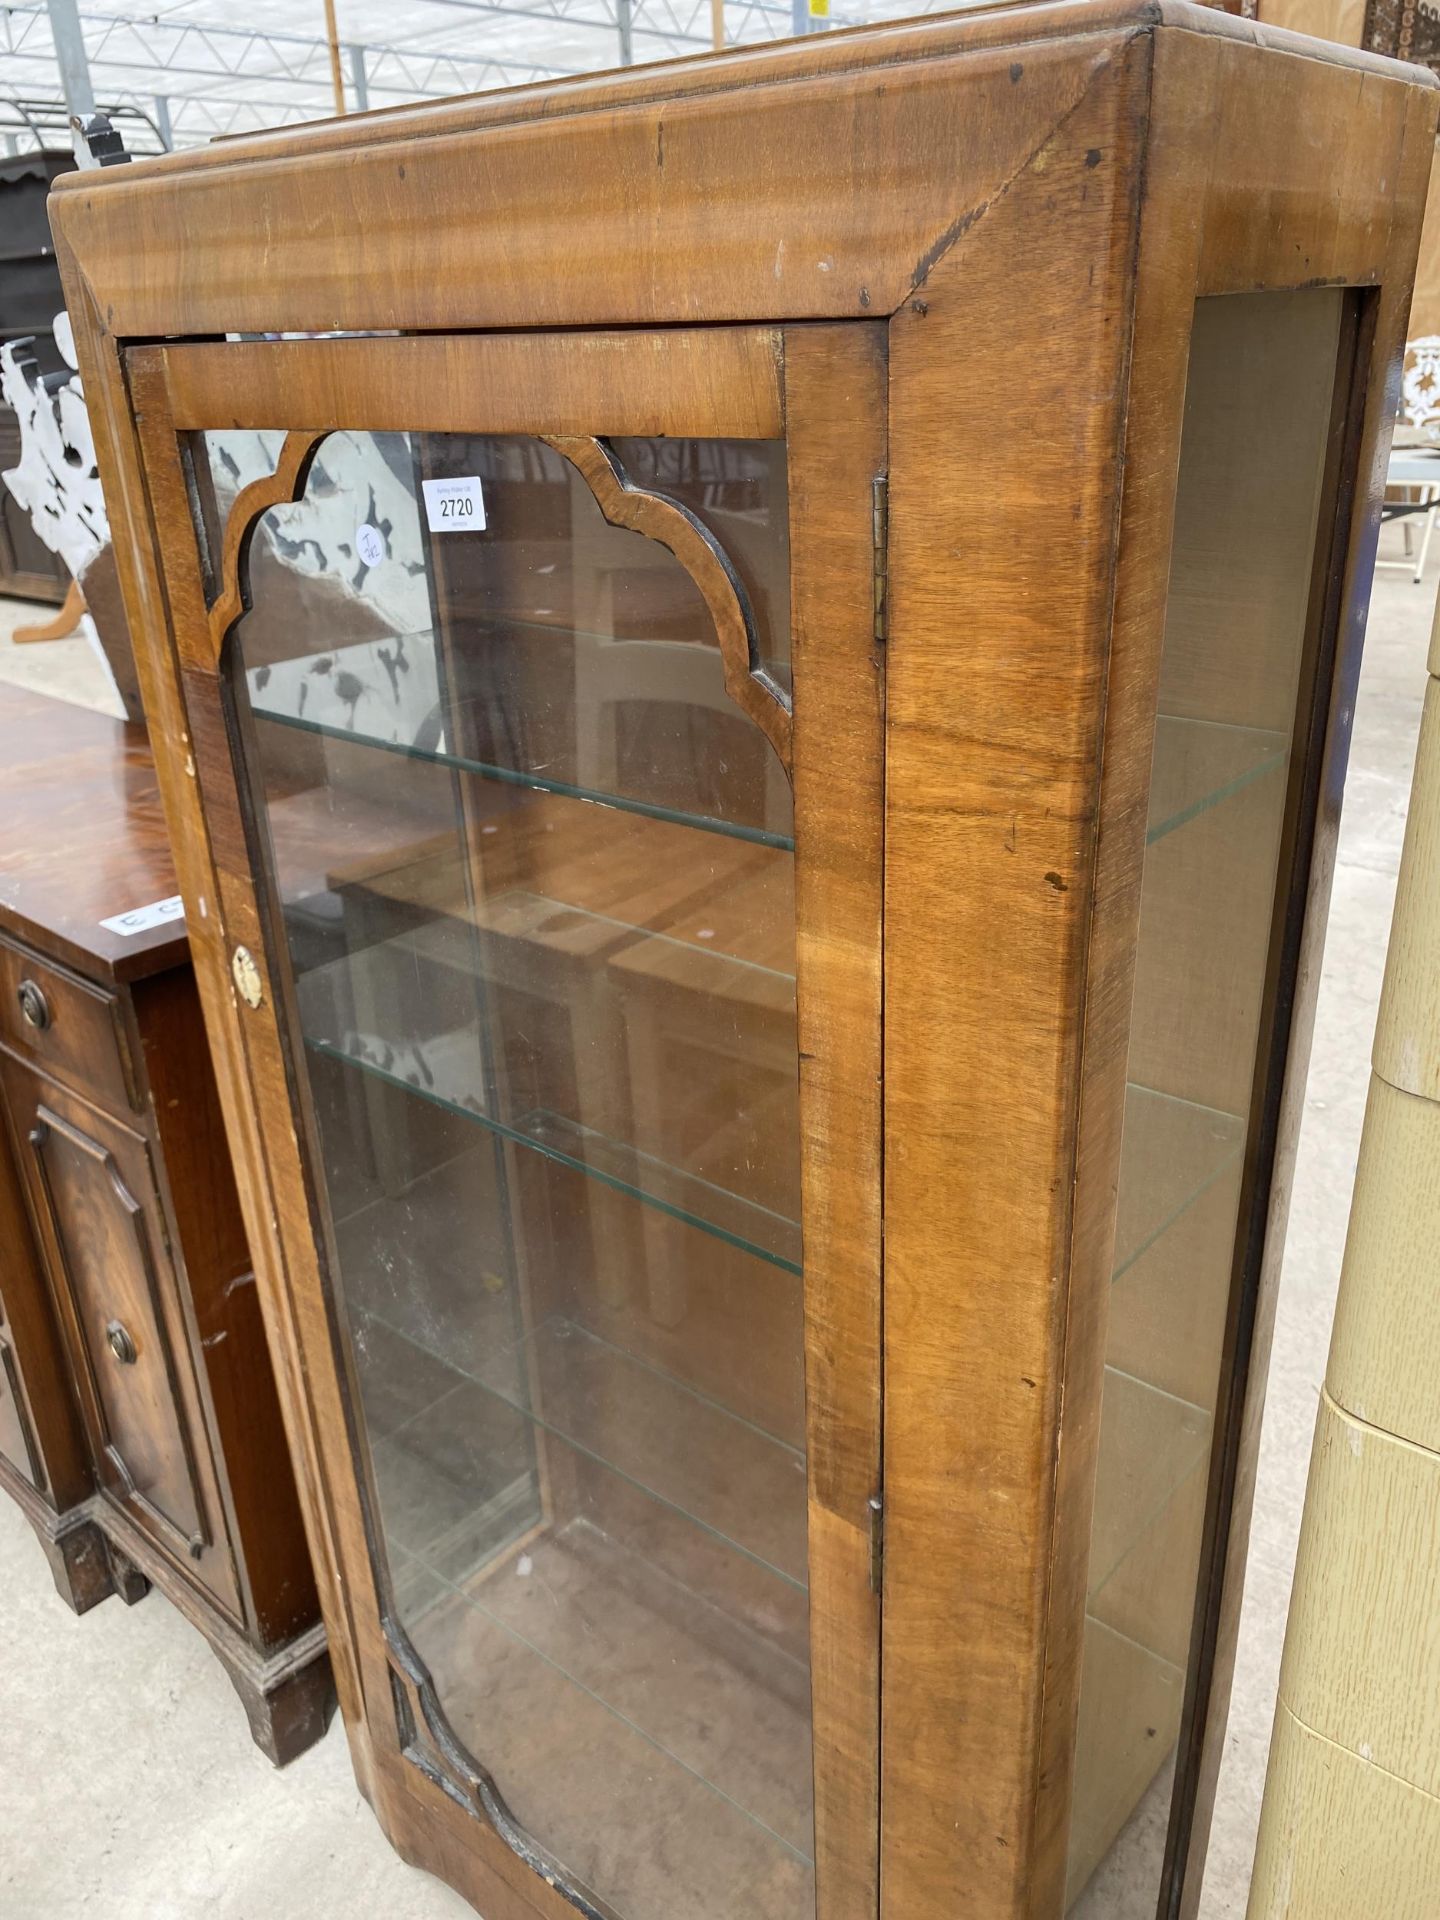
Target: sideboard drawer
x=65 y=1026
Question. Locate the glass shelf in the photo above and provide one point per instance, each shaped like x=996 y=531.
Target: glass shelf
x=689 y=1458
x=1201 y=763
x=1151 y=1440
x=684 y=1197
x=1130 y=1710
x=1189 y=1147
x=666 y=1189
x=431 y=975
x=435 y=740
x=1171 y=1151
x=1150 y=1443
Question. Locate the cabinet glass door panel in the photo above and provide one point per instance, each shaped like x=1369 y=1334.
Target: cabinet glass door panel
x=1240 y=634
x=535 y=872
x=564 y=593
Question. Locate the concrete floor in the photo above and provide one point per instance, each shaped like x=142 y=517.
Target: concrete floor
x=68 y=669
x=128 y=1785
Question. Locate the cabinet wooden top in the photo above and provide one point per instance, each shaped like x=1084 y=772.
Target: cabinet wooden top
x=82 y=837
x=817 y=179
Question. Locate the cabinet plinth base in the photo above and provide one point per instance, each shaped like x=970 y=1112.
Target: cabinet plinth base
x=94 y=1550
x=288 y=1699
x=129 y=1582
x=75 y=1549
x=287 y=1690
x=73 y=1545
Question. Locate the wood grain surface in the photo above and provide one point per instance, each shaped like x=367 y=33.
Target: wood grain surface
x=835 y=394
x=789 y=132
x=82 y=836
x=698 y=551
x=591 y=383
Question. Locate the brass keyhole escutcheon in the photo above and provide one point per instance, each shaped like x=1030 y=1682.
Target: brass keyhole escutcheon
x=246 y=976
x=120 y=1343
x=34 y=1007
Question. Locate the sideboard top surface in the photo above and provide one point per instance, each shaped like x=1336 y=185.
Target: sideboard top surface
x=82 y=837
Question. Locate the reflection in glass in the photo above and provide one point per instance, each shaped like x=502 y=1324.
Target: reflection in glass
x=536 y=875
x=1252 y=463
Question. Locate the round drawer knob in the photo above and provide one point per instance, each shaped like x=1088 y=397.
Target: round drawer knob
x=34 y=1007
x=121 y=1345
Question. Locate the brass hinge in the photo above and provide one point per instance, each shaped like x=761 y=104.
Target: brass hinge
x=876 y=1506
x=880 y=526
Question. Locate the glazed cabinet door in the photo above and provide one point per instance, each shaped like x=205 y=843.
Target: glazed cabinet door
x=536 y=702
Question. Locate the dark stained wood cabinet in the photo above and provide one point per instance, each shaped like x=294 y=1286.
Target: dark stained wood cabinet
x=30 y=298
x=751 y=668
x=42 y=1454
x=139 y=1427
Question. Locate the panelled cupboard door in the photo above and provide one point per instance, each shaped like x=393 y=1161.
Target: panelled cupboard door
x=17 y=1441
x=534 y=696
x=93 y=1192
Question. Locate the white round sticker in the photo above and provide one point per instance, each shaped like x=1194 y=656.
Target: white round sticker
x=370 y=544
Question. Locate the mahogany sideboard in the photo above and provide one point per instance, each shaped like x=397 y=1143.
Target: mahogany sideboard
x=139 y=1427
x=751 y=664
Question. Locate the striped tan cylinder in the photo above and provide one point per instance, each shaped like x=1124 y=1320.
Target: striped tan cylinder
x=1350 y=1828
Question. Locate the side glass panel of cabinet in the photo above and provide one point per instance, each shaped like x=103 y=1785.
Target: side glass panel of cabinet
x=1236 y=682
x=535 y=871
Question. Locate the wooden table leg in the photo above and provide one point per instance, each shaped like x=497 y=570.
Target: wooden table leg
x=62 y=625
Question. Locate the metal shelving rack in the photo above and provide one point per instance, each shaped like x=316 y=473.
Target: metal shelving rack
x=193 y=75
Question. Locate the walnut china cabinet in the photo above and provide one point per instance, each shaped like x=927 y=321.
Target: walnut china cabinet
x=752 y=664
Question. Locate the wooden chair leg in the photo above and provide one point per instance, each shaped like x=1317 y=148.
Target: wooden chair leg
x=62 y=626
x=1429 y=529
